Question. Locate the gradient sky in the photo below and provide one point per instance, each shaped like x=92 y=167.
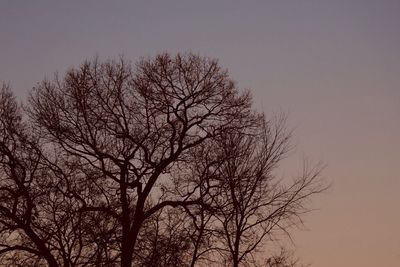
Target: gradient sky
x=333 y=66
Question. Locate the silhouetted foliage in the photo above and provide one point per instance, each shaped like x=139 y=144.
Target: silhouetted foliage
x=163 y=164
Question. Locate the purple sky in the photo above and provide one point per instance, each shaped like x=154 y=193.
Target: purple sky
x=333 y=66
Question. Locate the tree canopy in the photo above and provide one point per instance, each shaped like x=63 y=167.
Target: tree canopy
x=164 y=163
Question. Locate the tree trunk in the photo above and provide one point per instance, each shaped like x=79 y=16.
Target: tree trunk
x=130 y=234
x=235 y=261
x=126 y=257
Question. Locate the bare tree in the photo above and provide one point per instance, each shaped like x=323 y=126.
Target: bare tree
x=38 y=222
x=284 y=259
x=20 y=179
x=251 y=202
x=131 y=130
x=161 y=164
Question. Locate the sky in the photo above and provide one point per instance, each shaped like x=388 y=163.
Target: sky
x=332 y=66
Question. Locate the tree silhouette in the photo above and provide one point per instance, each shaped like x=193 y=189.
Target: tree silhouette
x=249 y=203
x=161 y=164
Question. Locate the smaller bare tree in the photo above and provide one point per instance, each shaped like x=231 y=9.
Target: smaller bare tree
x=252 y=203
x=39 y=223
x=20 y=241
x=285 y=258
